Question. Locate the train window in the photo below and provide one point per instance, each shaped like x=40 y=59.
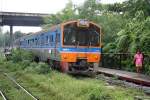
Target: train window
x=36 y=41
x=33 y=41
x=21 y=43
x=42 y=39
x=57 y=37
x=69 y=35
x=74 y=35
x=51 y=38
x=28 y=42
x=47 y=39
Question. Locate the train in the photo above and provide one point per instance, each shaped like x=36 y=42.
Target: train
x=72 y=46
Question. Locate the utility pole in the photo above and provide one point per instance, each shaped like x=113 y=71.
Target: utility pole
x=11 y=36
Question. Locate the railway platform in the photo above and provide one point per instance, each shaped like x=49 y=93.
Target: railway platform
x=127 y=76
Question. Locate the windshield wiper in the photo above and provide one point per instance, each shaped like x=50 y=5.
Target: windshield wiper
x=77 y=44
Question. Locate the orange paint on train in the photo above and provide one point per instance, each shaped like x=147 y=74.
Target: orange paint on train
x=72 y=57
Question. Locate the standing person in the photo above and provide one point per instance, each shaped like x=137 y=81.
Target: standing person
x=138 y=61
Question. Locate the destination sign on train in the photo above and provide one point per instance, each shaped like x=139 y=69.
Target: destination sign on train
x=83 y=23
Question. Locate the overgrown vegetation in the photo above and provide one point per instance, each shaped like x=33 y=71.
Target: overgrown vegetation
x=21 y=55
x=24 y=60
x=46 y=84
x=12 y=92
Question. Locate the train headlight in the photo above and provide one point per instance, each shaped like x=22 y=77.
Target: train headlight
x=64 y=57
x=96 y=57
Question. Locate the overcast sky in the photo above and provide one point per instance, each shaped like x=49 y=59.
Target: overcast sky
x=38 y=6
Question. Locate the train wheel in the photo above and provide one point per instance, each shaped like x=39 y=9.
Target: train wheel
x=64 y=66
x=36 y=59
x=50 y=63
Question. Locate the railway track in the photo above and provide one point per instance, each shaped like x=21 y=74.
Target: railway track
x=121 y=78
x=137 y=78
x=21 y=92
x=3 y=96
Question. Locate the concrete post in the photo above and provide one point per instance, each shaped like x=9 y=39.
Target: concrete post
x=11 y=36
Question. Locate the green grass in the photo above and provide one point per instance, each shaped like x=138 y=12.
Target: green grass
x=1 y=98
x=11 y=91
x=54 y=85
x=58 y=86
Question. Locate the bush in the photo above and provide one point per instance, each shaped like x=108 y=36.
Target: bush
x=146 y=69
x=2 y=57
x=24 y=64
x=128 y=65
x=19 y=55
x=31 y=67
x=40 y=68
x=12 y=66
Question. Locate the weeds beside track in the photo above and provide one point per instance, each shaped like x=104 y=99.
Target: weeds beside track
x=10 y=87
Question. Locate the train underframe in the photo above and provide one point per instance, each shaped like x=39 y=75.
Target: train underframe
x=80 y=67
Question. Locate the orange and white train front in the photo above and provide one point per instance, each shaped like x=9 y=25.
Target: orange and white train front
x=80 y=45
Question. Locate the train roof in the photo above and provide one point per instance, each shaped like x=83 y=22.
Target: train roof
x=58 y=26
x=73 y=21
x=42 y=31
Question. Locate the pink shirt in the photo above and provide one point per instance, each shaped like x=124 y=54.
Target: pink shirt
x=138 y=58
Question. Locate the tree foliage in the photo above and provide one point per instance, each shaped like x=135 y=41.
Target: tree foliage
x=135 y=32
x=68 y=13
x=5 y=37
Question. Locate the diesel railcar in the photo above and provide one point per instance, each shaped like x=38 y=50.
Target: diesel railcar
x=70 y=46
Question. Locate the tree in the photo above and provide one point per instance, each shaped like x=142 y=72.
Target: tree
x=1 y=38
x=132 y=6
x=18 y=34
x=5 y=37
x=136 y=34
x=68 y=13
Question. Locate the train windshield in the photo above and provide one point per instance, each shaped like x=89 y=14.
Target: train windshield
x=79 y=36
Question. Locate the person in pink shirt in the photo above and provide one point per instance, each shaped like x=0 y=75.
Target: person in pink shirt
x=138 y=61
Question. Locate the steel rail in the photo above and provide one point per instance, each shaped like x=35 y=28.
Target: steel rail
x=20 y=86
x=4 y=98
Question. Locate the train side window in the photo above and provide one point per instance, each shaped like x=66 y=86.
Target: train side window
x=38 y=41
x=42 y=39
x=47 y=39
x=51 y=38
x=21 y=43
x=35 y=41
x=57 y=37
x=28 y=42
x=32 y=41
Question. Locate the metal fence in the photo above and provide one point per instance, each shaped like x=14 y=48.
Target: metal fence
x=122 y=61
